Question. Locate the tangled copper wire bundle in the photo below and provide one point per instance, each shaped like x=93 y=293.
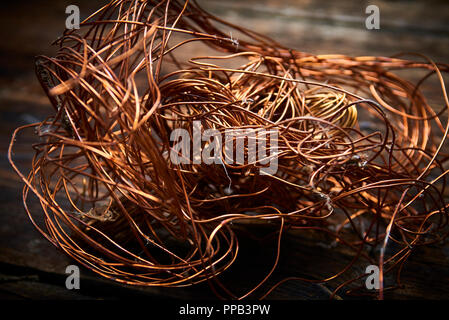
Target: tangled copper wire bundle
x=355 y=142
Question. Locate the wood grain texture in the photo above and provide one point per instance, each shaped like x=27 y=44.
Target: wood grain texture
x=31 y=268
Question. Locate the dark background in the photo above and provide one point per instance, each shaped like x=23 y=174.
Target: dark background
x=31 y=268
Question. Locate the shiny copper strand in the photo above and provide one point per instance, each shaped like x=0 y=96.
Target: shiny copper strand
x=113 y=201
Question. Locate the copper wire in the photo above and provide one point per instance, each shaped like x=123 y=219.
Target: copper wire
x=356 y=143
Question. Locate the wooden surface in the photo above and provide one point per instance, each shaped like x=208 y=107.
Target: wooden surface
x=32 y=268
